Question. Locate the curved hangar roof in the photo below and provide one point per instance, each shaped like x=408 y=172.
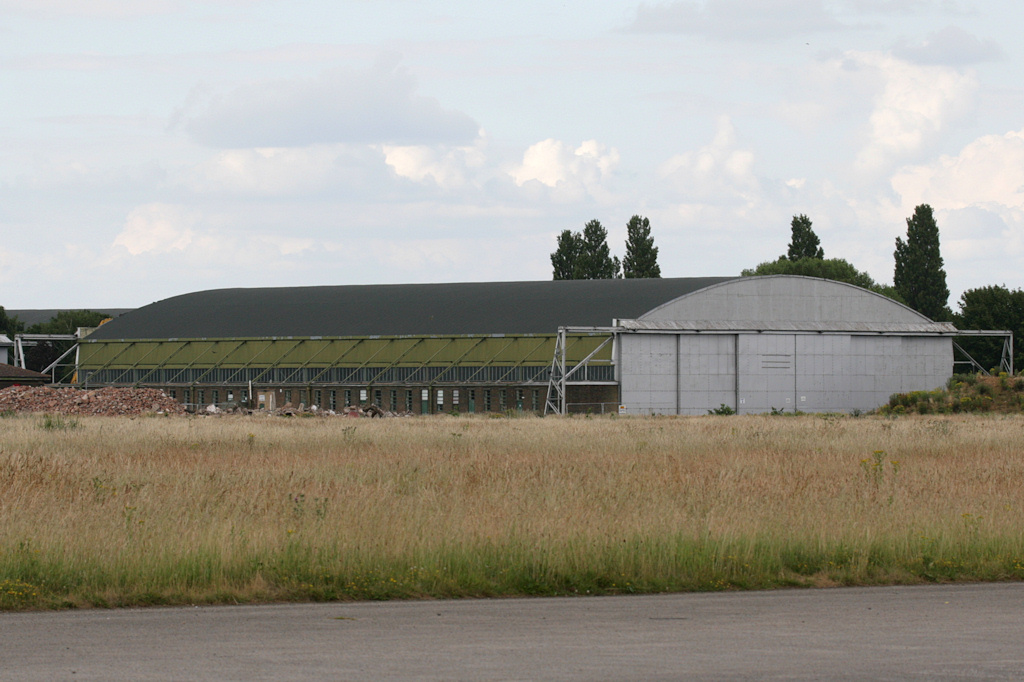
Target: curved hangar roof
x=400 y=309
x=787 y=302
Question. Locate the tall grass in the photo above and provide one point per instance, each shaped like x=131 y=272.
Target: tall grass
x=171 y=511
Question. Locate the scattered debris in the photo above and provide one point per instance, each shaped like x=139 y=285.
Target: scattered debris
x=102 y=401
x=129 y=402
x=369 y=411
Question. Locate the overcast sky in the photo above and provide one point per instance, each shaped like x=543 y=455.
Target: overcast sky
x=150 y=148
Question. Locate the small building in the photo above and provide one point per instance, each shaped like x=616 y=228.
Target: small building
x=16 y=376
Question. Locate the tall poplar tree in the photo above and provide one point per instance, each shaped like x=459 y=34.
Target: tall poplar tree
x=565 y=259
x=596 y=261
x=919 y=277
x=803 y=243
x=641 y=259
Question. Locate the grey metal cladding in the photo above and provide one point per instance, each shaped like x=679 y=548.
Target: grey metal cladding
x=400 y=309
x=777 y=300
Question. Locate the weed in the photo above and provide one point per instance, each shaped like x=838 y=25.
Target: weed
x=298 y=504
x=722 y=410
x=51 y=422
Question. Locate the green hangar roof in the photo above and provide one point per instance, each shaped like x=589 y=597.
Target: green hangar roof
x=399 y=309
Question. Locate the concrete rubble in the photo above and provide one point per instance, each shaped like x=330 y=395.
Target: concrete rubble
x=76 y=401
x=129 y=402
x=369 y=411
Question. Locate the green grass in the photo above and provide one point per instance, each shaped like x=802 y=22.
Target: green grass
x=120 y=512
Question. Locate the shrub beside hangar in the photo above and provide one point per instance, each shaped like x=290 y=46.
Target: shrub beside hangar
x=656 y=346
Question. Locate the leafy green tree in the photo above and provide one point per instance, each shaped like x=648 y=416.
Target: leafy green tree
x=68 y=322
x=9 y=324
x=919 y=277
x=827 y=268
x=586 y=255
x=641 y=259
x=992 y=308
x=39 y=356
x=803 y=243
x=596 y=261
x=565 y=259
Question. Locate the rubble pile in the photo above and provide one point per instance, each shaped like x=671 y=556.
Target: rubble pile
x=103 y=401
x=371 y=411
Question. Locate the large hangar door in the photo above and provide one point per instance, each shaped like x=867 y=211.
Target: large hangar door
x=767 y=376
x=677 y=373
x=649 y=370
x=707 y=372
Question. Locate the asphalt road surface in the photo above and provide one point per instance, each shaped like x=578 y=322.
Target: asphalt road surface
x=940 y=632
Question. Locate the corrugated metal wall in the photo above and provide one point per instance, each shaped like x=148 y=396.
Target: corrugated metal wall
x=681 y=373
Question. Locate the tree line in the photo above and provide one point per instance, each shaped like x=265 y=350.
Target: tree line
x=919 y=276
x=919 y=282
x=39 y=356
x=586 y=255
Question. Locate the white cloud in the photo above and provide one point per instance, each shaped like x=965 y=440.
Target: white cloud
x=736 y=19
x=156 y=229
x=987 y=172
x=573 y=173
x=720 y=172
x=420 y=255
x=916 y=103
x=288 y=246
x=951 y=46
x=448 y=168
x=978 y=196
x=375 y=106
x=266 y=171
x=117 y=9
x=897 y=8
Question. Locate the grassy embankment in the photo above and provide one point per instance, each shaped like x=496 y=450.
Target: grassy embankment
x=107 y=511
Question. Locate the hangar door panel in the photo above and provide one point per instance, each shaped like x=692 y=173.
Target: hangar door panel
x=824 y=373
x=767 y=377
x=649 y=370
x=677 y=373
x=707 y=372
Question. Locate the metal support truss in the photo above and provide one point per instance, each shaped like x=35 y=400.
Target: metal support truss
x=1005 y=360
x=23 y=340
x=34 y=339
x=556 y=402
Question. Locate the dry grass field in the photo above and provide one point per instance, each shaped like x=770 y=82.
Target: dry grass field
x=112 y=511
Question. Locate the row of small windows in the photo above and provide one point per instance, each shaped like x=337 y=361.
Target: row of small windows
x=339 y=375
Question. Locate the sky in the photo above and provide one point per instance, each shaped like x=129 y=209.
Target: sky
x=150 y=148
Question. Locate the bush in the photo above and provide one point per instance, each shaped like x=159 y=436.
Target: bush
x=722 y=410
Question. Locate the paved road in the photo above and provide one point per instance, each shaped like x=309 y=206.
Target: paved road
x=916 y=633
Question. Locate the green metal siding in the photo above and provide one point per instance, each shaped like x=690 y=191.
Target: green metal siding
x=196 y=358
